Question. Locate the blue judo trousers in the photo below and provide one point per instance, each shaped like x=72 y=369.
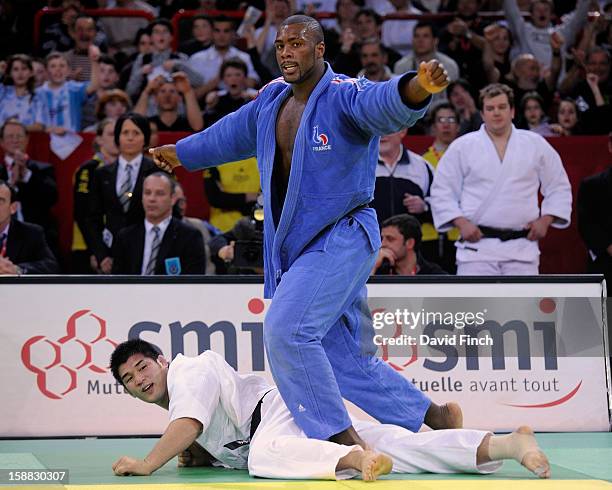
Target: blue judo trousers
x=319 y=249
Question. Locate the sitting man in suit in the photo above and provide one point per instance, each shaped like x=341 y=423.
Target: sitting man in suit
x=115 y=197
x=400 y=251
x=34 y=181
x=160 y=244
x=23 y=249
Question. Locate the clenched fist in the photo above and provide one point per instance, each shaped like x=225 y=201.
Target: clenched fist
x=165 y=157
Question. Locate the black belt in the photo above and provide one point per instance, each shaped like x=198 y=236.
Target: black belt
x=255 y=421
x=358 y=208
x=504 y=234
x=256 y=417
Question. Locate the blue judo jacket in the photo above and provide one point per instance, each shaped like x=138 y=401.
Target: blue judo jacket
x=334 y=156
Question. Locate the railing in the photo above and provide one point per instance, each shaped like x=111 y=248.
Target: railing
x=118 y=12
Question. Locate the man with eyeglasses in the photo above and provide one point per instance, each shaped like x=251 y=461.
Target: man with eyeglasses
x=440 y=248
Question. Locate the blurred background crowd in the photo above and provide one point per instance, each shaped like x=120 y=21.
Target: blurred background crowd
x=120 y=76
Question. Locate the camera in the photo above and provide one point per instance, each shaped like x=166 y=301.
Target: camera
x=248 y=250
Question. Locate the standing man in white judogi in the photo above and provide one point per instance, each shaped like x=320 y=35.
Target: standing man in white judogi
x=487 y=185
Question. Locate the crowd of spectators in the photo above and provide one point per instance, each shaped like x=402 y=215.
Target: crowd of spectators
x=122 y=79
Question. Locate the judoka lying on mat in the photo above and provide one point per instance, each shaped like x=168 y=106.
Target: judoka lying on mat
x=222 y=418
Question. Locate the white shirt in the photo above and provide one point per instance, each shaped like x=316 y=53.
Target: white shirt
x=397 y=34
x=208 y=62
x=149 y=236
x=208 y=389
x=121 y=171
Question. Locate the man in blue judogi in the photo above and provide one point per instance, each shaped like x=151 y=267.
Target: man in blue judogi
x=315 y=135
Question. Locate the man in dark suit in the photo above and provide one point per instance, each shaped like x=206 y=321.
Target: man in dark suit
x=595 y=220
x=23 y=249
x=115 y=198
x=159 y=244
x=34 y=181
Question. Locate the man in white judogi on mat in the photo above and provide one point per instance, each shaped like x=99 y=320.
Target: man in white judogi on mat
x=487 y=185
x=221 y=418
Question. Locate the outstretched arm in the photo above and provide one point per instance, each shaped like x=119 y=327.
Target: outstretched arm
x=180 y=434
x=232 y=138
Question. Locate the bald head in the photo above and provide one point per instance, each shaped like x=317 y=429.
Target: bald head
x=312 y=28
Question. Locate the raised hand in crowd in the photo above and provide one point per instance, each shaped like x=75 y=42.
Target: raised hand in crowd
x=93 y=53
x=248 y=33
x=154 y=84
x=457 y=27
x=181 y=81
x=593 y=81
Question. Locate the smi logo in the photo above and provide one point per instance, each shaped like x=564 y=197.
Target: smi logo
x=320 y=139
x=56 y=363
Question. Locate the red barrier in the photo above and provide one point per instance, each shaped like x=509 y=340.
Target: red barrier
x=563 y=251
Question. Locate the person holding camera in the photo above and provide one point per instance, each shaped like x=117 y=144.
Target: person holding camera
x=167 y=93
x=240 y=250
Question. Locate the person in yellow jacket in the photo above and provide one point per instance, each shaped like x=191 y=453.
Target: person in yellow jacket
x=232 y=191
x=440 y=248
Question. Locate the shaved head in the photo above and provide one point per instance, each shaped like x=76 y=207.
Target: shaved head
x=312 y=28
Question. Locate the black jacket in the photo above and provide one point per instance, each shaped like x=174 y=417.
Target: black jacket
x=594 y=206
x=27 y=248
x=180 y=240
x=37 y=196
x=105 y=210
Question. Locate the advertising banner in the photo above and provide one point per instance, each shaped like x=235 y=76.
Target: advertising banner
x=510 y=354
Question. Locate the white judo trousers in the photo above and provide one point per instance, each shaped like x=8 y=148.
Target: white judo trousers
x=279 y=448
x=472 y=182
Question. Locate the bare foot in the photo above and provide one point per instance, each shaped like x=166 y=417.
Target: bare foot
x=374 y=464
x=447 y=416
x=531 y=456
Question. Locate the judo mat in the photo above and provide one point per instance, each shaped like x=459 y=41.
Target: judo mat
x=578 y=461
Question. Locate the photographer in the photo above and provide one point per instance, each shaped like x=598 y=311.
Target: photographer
x=240 y=250
x=167 y=92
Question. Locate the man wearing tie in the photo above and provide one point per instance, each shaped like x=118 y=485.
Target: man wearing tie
x=34 y=181
x=116 y=190
x=23 y=248
x=160 y=244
